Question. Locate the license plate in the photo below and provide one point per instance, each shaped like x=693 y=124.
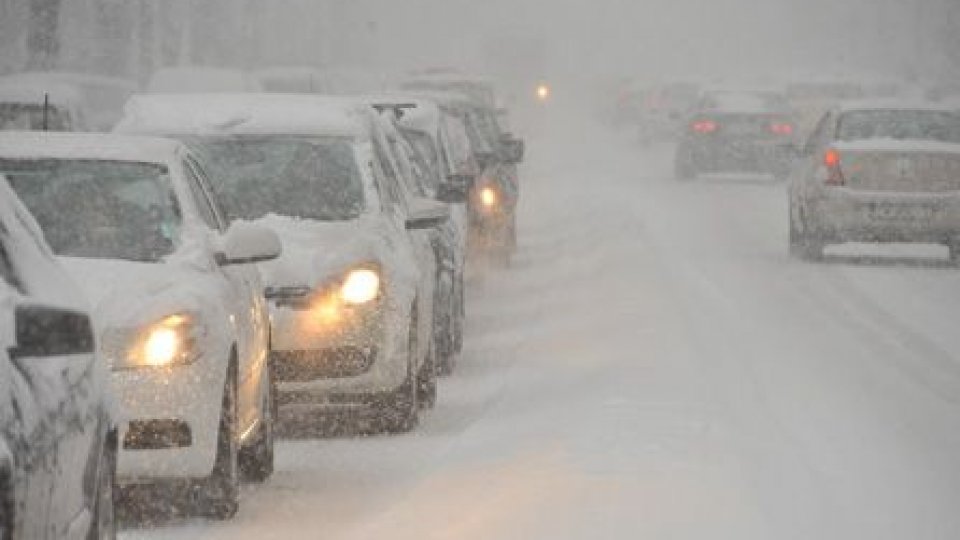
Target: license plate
x=901 y=212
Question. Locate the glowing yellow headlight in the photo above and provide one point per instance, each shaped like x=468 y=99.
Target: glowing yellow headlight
x=543 y=92
x=161 y=347
x=360 y=287
x=488 y=197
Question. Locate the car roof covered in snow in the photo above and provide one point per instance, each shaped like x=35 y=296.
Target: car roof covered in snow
x=88 y=146
x=248 y=114
x=894 y=105
x=424 y=115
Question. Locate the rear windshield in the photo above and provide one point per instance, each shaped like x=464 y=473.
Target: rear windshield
x=309 y=178
x=941 y=126
x=99 y=209
x=25 y=116
x=746 y=125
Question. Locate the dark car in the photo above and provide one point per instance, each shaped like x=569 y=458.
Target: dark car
x=737 y=132
x=58 y=444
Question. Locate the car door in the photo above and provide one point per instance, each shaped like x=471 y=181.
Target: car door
x=397 y=237
x=58 y=393
x=244 y=296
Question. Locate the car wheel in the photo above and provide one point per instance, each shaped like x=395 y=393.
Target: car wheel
x=399 y=411
x=802 y=244
x=683 y=169
x=427 y=381
x=104 y=526
x=954 y=248
x=256 y=460
x=218 y=495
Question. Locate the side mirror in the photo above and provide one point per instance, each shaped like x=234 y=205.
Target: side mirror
x=426 y=214
x=45 y=331
x=512 y=150
x=456 y=189
x=246 y=243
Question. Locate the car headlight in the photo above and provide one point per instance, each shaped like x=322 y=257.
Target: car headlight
x=488 y=197
x=167 y=342
x=360 y=286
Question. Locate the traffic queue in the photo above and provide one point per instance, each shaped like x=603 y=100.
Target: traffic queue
x=224 y=259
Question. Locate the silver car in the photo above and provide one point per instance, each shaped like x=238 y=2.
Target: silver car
x=878 y=172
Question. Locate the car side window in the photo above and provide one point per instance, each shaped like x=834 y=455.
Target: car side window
x=7 y=270
x=204 y=206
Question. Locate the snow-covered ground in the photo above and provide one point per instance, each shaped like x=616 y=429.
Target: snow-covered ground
x=654 y=365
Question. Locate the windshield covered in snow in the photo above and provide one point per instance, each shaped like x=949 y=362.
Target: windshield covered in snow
x=99 y=209
x=939 y=126
x=303 y=177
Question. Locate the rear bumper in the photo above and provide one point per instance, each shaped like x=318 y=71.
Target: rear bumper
x=844 y=215
x=753 y=157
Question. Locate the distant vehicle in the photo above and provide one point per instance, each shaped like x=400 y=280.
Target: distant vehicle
x=48 y=107
x=450 y=80
x=737 y=132
x=662 y=110
x=878 y=172
x=423 y=148
x=201 y=79
x=810 y=99
x=291 y=80
x=494 y=194
x=179 y=305
x=352 y=295
x=98 y=100
x=58 y=435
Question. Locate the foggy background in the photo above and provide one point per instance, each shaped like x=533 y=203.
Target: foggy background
x=588 y=41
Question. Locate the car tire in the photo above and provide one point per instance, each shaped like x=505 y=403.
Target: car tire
x=802 y=245
x=218 y=495
x=256 y=460
x=104 y=523
x=399 y=411
x=427 y=381
x=954 y=248
x=683 y=169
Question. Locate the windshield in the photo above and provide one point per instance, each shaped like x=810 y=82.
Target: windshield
x=99 y=209
x=900 y=124
x=309 y=178
x=20 y=116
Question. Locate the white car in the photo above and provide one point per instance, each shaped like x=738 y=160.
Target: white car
x=178 y=304
x=878 y=172
x=352 y=294
x=58 y=436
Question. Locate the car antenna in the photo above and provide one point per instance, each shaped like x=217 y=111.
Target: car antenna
x=46 y=111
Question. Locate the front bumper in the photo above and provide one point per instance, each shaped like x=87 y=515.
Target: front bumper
x=169 y=419
x=338 y=357
x=845 y=215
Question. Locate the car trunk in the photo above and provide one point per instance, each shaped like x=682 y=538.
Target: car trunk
x=900 y=170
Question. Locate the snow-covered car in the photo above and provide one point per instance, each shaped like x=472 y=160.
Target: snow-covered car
x=202 y=79
x=46 y=107
x=425 y=151
x=178 y=303
x=878 y=172
x=495 y=192
x=352 y=295
x=291 y=80
x=58 y=436
x=99 y=98
x=737 y=132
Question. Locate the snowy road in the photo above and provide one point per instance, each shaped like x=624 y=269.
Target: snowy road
x=655 y=366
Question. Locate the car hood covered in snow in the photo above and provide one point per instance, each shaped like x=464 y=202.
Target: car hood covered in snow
x=316 y=252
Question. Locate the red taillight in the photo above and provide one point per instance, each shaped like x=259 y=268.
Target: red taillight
x=781 y=128
x=831 y=161
x=704 y=126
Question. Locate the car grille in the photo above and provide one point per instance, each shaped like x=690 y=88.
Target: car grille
x=305 y=366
